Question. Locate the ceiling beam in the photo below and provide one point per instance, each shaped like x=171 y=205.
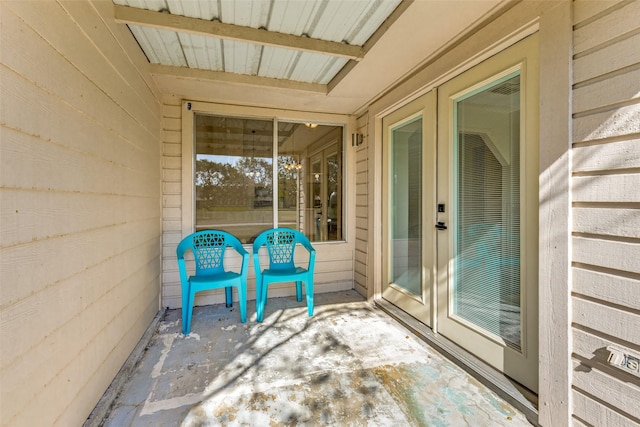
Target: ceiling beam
x=185 y=24
x=221 y=76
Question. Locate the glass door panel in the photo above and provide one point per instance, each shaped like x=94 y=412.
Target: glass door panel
x=334 y=201
x=406 y=209
x=408 y=200
x=315 y=214
x=487 y=151
x=486 y=188
x=324 y=218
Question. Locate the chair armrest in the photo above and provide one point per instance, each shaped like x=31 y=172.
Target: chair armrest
x=256 y=264
x=182 y=248
x=312 y=253
x=245 y=263
x=237 y=246
x=245 y=258
x=312 y=260
x=183 y=270
x=308 y=247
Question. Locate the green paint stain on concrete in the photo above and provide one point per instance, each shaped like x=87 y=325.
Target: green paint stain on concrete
x=401 y=383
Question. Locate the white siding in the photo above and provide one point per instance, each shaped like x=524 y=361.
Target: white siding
x=171 y=200
x=79 y=205
x=606 y=210
x=361 y=213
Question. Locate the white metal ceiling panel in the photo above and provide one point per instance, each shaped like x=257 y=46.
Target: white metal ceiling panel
x=292 y=17
x=276 y=62
x=207 y=10
x=240 y=57
x=370 y=20
x=202 y=52
x=336 y=20
x=245 y=13
x=311 y=67
x=160 y=46
x=343 y=21
x=331 y=68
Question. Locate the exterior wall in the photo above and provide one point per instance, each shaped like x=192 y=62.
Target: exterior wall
x=361 y=215
x=606 y=210
x=79 y=204
x=554 y=354
x=553 y=22
x=334 y=260
x=171 y=200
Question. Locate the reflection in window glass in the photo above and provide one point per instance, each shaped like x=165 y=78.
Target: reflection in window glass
x=334 y=207
x=323 y=183
x=234 y=182
x=289 y=173
x=406 y=199
x=487 y=232
x=234 y=189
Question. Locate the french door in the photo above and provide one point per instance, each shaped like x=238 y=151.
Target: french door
x=461 y=229
x=324 y=217
x=409 y=170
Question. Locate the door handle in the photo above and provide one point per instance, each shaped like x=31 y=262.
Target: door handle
x=440 y=226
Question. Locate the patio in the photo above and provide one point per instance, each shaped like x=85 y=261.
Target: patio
x=350 y=364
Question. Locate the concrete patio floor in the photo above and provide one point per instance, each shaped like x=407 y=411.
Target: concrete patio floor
x=348 y=365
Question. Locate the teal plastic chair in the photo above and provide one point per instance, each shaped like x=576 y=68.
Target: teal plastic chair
x=281 y=244
x=209 y=248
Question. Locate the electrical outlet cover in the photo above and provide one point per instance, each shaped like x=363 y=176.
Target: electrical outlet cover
x=633 y=364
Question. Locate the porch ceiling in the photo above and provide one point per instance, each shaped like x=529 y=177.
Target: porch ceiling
x=315 y=55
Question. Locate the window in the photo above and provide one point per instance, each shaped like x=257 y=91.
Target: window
x=235 y=189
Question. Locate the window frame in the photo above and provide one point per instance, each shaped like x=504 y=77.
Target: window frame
x=191 y=108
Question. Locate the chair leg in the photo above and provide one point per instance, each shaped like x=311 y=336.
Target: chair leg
x=309 y=290
x=186 y=314
x=299 y=290
x=265 y=291
x=259 y=303
x=228 y=296
x=186 y=326
x=242 y=301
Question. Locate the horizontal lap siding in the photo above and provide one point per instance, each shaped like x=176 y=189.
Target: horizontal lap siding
x=361 y=214
x=606 y=210
x=171 y=200
x=80 y=207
